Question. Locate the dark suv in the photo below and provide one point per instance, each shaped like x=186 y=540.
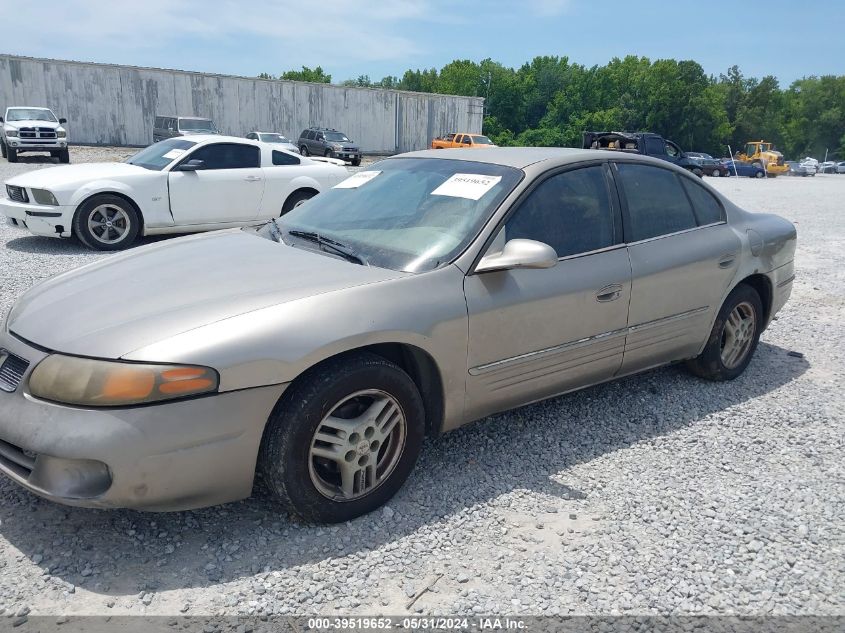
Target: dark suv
x=322 y=141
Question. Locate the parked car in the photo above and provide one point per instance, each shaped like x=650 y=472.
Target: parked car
x=462 y=141
x=709 y=166
x=173 y=126
x=739 y=168
x=274 y=137
x=797 y=169
x=408 y=300
x=810 y=164
x=645 y=143
x=330 y=143
x=827 y=167
x=30 y=129
x=180 y=185
x=840 y=167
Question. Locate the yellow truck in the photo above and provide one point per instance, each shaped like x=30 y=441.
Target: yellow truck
x=765 y=155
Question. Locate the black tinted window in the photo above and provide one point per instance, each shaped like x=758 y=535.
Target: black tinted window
x=283 y=158
x=657 y=205
x=227 y=156
x=707 y=208
x=570 y=211
x=654 y=146
x=310 y=135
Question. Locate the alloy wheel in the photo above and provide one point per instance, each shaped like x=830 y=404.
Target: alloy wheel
x=108 y=223
x=738 y=334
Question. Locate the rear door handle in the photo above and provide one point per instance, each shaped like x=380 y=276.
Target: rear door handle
x=726 y=261
x=609 y=293
x=252 y=178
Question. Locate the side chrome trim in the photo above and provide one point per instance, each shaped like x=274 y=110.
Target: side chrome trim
x=589 y=340
x=786 y=281
x=689 y=230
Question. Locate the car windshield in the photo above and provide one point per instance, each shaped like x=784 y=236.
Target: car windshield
x=481 y=140
x=196 y=125
x=273 y=138
x=30 y=114
x=336 y=136
x=408 y=214
x=159 y=155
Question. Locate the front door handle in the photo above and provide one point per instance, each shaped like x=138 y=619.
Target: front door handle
x=609 y=293
x=726 y=261
x=252 y=178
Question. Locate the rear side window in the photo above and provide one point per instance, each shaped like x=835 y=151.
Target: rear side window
x=283 y=158
x=570 y=212
x=654 y=146
x=708 y=209
x=310 y=135
x=159 y=122
x=657 y=204
x=227 y=156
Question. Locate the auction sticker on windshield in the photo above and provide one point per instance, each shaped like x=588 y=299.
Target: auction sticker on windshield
x=356 y=180
x=470 y=186
x=174 y=153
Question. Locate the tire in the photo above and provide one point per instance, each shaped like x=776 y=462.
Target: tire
x=717 y=362
x=11 y=154
x=3 y=149
x=717 y=173
x=304 y=150
x=99 y=209
x=64 y=156
x=54 y=153
x=304 y=471
x=327 y=153
x=295 y=199
x=356 y=162
x=759 y=174
x=698 y=172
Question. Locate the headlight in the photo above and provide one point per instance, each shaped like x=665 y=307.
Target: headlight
x=61 y=134
x=100 y=383
x=337 y=146
x=42 y=196
x=11 y=132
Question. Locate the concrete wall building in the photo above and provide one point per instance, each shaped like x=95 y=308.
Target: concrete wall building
x=107 y=104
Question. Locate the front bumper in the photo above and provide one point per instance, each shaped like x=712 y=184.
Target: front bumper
x=344 y=155
x=172 y=456
x=36 y=145
x=39 y=219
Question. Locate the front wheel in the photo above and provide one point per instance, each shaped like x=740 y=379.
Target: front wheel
x=295 y=199
x=734 y=337
x=106 y=223
x=717 y=173
x=11 y=154
x=64 y=156
x=343 y=439
x=356 y=162
x=304 y=151
x=759 y=174
x=3 y=149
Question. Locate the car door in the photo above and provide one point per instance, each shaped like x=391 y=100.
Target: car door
x=228 y=187
x=683 y=257
x=534 y=333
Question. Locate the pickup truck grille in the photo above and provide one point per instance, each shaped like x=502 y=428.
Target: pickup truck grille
x=18 y=194
x=12 y=369
x=37 y=132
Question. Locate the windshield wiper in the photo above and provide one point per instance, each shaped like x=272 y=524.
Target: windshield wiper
x=329 y=244
x=275 y=233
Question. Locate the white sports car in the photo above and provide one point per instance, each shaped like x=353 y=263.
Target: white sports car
x=179 y=185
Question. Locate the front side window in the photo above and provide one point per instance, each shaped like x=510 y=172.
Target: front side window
x=227 y=156
x=571 y=212
x=159 y=155
x=672 y=149
x=708 y=210
x=481 y=140
x=310 y=135
x=337 y=137
x=408 y=214
x=657 y=204
x=271 y=137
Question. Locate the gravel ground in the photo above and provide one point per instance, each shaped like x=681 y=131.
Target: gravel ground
x=655 y=494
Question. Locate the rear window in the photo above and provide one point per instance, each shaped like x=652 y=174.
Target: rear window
x=708 y=210
x=657 y=204
x=283 y=158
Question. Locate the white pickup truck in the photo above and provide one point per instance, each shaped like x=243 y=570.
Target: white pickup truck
x=179 y=185
x=27 y=129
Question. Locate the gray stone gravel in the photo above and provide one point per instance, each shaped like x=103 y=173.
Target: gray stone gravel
x=656 y=494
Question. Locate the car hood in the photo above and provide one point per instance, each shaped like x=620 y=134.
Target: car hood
x=33 y=123
x=122 y=303
x=57 y=177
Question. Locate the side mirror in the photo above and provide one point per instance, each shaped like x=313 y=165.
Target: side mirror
x=192 y=165
x=62 y=121
x=519 y=254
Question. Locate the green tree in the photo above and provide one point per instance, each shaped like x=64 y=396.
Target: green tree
x=316 y=75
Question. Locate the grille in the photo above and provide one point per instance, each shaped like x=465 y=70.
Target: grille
x=16 y=459
x=12 y=369
x=37 y=132
x=17 y=193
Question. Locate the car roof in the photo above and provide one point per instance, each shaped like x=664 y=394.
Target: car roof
x=518 y=157
x=27 y=108
x=217 y=138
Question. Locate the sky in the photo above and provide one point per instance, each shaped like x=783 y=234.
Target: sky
x=789 y=39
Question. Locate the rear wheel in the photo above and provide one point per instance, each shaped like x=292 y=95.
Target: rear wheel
x=343 y=439
x=759 y=174
x=717 y=172
x=734 y=337
x=106 y=223
x=295 y=199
